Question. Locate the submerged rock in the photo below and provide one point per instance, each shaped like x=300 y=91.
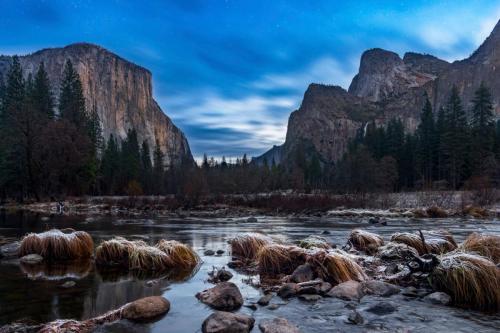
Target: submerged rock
x=146 y=308
x=224 y=296
x=438 y=298
x=209 y=252
x=288 y=290
x=382 y=308
x=31 y=259
x=227 y=322
x=355 y=318
x=349 y=291
x=277 y=325
x=380 y=288
x=264 y=300
x=9 y=251
x=252 y=219
x=310 y=297
x=302 y=273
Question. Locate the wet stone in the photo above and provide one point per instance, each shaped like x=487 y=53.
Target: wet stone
x=68 y=284
x=224 y=296
x=227 y=322
x=32 y=259
x=382 y=308
x=438 y=298
x=146 y=309
x=380 y=288
x=310 y=297
x=355 y=318
x=303 y=273
x=209 y=252
x=349 y=291
x=277 y=325
x=264 y=300
x=288 y=290
x=252 y=219
x=10 y=250
x=410 y=292
x=219 y=252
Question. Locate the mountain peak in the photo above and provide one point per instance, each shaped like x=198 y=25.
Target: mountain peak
x=489 y=46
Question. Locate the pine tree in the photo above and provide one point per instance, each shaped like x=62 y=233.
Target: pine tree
x=110 y=164
x=426 y=143
x=454 y=140
x=131 y=159
x=94 y=131
x=42 y=95
x=482 y=129
x=146 y=167
x=71 y=100
x=158 y=169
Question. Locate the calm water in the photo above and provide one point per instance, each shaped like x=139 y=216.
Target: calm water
x=36 y=294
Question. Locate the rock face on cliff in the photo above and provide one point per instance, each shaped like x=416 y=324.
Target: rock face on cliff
x=120 y=91
x=386 y=86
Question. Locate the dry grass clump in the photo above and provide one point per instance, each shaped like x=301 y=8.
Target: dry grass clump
x=180 y=254
x=476 y=212
x=471 y=280
x=363 y=240
x=144 y=258
x=314 y=242
x=437 y=242
x=485 y=245
x=336 y=266
x=114 y=251
x=57 y=245
x=277 y=259
x=436 y=212
x=246 y=246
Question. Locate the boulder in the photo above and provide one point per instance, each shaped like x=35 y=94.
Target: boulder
x=288 y=290
x=349 y=291
x=9 y=251
x=264 y=300
x=379 y=288
x=438 y=298
x=224 y=296
x=227 y=322
x=277 y=325
x=382 y=308
x=302 y=273
x=146 y=308
x=324 y=288
x=32 y=259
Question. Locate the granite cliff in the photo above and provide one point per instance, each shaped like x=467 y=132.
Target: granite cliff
x=386 y=86
x=120 y=91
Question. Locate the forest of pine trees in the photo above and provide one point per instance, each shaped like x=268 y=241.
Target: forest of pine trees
x=51 y=147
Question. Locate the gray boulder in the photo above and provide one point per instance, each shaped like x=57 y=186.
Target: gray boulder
x=277 y=325
x=224 y=296
x=227 y=322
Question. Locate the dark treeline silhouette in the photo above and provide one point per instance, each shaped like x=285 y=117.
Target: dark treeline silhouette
x=53 y=147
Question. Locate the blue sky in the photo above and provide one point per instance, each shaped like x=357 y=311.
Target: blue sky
x=230 y=72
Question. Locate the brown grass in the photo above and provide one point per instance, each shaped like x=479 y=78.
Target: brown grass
x=56 y=245
x=180 y=254
x=336 y=266
x=114 y=252
x=438 y=242
x=247 y=246
x=275 y=259
x=485 y=245
x=471 y=280
x=144 y=258
x=363 y=240
x=314 y=242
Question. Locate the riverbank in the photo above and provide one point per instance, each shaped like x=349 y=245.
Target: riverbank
x=287 y=204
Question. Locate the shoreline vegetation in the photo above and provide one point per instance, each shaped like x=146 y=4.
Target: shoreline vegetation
x=435 y=204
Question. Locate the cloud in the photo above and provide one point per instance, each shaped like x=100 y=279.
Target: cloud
x=324 y=70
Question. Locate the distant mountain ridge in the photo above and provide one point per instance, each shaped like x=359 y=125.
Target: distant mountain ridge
x=385 y=87
x=120 y=91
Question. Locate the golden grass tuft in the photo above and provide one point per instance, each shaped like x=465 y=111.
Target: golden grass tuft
x=275 y=259
x=57 y=245
x=365 y=241
x=438 y=242
x=144 y=258
x=483 y=244
x=180 y=254
x=247 y=246
x=471 y=280
x=114 y=251
x=314 y=242
x=336 y=266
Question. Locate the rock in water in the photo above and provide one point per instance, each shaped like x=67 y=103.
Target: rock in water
x=380 y=288
x=302 y=273
x=224 y=296
x=68 y=284
x=277 y=325
x=349 y=291
x=146 y=308
x=288 y=290
x=32 y=259
x=438 y=298
x=382 y=308
x=227 y=322
x=264 y=300
x=121 y=92
x=9 y=251
x=355 y=318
